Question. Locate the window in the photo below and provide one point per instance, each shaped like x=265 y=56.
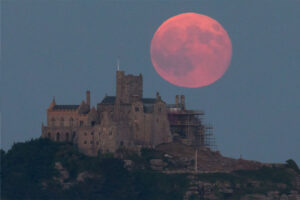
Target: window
x=49 y=135
x=85 y=134
x=67 y=136
x=99 y=133
x=137 y=109
x=97 y=143
x=73 y=135
x=92 y=133
x=121 y=143
x=137 y=127
x=85 y=142
x=92 y=142
x=71 y=121
x=159 y=109
x=81 y=123
x=93 y=123
x=110 y=132
x=57 y=137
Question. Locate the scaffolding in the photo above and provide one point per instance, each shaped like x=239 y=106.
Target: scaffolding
x=187 y=124
x=210 y=140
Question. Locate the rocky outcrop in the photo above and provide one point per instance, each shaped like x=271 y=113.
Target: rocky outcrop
x=157 y=164
x=226 y=190
x=182 y=158
x=63 y=177
x=273 y=195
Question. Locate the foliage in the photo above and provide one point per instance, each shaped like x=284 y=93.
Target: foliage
x=292 y=164
x=24 y=165
x=28 y=171
x=267 y=174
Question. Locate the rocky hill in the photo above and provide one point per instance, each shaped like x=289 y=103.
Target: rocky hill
x=41 y=169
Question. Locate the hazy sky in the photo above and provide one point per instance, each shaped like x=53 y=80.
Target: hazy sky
x=62 y=48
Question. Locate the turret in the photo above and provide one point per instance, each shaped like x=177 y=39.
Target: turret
x=158 y=97
x=182 y=101
x=88 y=98
x=177 y=100
x=52 y=104
x=129 y=87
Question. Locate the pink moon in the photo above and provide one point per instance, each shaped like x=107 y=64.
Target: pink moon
x=191 y=50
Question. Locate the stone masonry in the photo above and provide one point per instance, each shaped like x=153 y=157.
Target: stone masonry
x=126 y=120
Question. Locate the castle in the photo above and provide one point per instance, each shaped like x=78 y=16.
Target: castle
x=127 y=120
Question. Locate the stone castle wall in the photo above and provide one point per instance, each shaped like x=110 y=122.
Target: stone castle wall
x=120 y=121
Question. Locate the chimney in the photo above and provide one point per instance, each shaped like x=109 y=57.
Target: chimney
x=88 y=98
x=177 y=100
x=158 y=97
x=182 y=101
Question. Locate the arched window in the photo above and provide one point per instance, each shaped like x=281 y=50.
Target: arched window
x=49 y=135
x=71 y=121
x=57 y=137
x=62 y=121
x=67 y=136
x=137 y=127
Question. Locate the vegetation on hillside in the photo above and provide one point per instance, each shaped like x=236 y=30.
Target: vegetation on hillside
x=28 y=172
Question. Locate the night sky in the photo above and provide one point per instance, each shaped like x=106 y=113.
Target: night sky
x=62 y=48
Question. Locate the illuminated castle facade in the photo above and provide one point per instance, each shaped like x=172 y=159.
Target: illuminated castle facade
x=126 y=120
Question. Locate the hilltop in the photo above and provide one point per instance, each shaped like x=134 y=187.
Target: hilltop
x=42 y=169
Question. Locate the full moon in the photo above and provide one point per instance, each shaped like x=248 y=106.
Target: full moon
x=191 y=50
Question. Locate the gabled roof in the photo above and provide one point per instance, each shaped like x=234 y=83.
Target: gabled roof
x=109 y=100
x=65 y=107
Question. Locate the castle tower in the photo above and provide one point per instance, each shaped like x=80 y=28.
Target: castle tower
x=182 y=98
x=129 y=87
x=88 y=98
x=177 y=100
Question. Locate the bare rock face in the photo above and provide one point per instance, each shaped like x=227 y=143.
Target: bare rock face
x=128 y=164
x=274 y=195
x=157 y=164
x=64 y=175
x=84 y=175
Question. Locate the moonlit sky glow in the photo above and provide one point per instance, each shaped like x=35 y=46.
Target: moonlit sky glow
x=63 y=48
